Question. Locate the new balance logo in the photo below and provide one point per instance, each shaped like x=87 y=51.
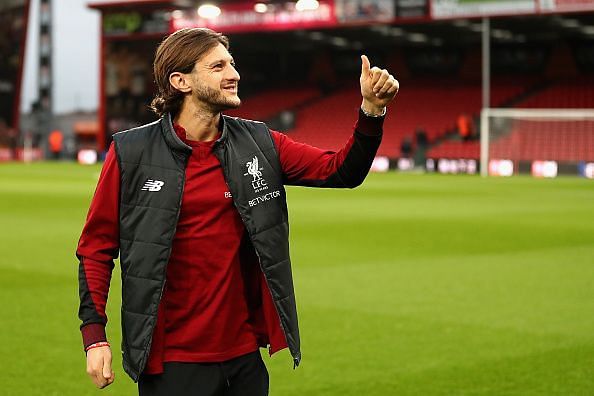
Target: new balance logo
x=152 y=185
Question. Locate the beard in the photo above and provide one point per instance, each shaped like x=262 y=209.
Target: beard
x=215 y=100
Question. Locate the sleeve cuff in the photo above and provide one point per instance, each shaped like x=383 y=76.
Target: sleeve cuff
x=370 y=126
x=92 y=333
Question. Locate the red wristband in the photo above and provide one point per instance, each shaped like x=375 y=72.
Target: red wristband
x=97 y=345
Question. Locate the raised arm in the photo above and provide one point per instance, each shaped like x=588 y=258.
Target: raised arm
x=97 y=248
x=306 y=165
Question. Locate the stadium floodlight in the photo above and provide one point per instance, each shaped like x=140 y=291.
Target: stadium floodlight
x=396 y=32
x=462 y=23
x=569 y=23
x=502 y=34
x=417 y=37
x=316 y=36
x=208 y=11
x=260 y=7
x=339 y=41
x=382 y=29
x=524 y=136
x=307 y=5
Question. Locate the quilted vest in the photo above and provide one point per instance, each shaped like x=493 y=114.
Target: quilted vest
x=152 y=161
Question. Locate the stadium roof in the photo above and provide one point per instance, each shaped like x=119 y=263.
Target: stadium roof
x=453 y=32
x=462 y=32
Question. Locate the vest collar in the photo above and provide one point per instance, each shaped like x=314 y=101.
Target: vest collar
x=171 y=137
x=224 y=128
x=177 y=144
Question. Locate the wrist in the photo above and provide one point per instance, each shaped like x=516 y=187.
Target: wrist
x=371 y=110
x=97 y=345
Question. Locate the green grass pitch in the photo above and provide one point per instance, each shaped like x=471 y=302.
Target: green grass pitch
x=408 y=285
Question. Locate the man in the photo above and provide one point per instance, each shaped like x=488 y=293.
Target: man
x=196 y=207
x=55 y=140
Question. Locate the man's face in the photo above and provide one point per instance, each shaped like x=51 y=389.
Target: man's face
x=215 y=81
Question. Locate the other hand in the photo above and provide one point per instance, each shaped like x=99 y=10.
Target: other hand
x=99 y=366
x=378 y=87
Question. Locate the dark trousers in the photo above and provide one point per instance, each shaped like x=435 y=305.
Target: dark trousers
x=245 y=375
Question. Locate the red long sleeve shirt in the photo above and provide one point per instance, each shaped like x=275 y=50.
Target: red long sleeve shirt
x=216 y=304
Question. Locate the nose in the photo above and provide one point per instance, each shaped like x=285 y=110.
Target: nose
x=234 y=74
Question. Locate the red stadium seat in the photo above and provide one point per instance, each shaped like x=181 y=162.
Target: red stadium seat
x=532 y=140
x=430 y=104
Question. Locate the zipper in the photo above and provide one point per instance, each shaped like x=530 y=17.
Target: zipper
x=243 y=219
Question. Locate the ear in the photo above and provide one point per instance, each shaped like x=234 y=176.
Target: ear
x=180 y=81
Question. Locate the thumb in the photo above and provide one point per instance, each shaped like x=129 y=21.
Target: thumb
x=365 y=66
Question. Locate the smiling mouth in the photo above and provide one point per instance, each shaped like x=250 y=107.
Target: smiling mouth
x=232 y=89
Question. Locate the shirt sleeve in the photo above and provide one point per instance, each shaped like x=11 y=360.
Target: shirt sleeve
x=305 y=165
x=98 y=246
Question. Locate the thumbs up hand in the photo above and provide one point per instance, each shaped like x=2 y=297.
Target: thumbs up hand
x=378 y=87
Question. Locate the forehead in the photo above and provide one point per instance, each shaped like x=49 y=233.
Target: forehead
x=216 y=53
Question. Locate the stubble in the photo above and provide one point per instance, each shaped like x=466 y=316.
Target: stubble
x=215 y=100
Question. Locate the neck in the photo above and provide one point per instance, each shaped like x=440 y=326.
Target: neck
x=201 y=124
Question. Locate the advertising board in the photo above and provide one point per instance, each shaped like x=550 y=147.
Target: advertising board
x=412 y=8
x=242 y=17
x=476 y=8
x=565 y=5
x=471 y=8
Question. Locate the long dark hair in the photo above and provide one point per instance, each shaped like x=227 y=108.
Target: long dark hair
x=179 y=52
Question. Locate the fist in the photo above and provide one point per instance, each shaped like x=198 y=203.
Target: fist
x=378 y=87
x=99 y=366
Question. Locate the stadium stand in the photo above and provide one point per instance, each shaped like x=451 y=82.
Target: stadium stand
x=266 y=104
x=537 y=140
x=456 y=149
x=555 y=140
x=431 y=104
x=575 y=92
x=564 y=141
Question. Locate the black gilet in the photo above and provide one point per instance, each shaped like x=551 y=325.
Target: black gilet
x=152 y=161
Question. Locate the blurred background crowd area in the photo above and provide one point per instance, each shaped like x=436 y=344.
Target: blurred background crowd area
x=299 y=65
